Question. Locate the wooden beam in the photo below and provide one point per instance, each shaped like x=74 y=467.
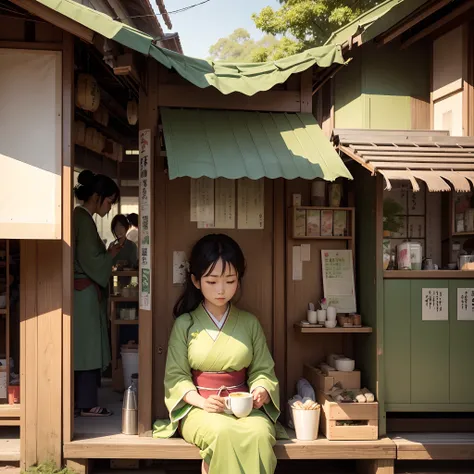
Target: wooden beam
x=453 y=15
x=376 y=466
x=30 y=45
x=306 y=89
x=148 y=112
x=414 y=20
x=67 y=243
x=56 y=19
x=125 y=66
x=210 y=98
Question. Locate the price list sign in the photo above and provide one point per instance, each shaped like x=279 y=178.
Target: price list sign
x=435 y=304
x=465 y=306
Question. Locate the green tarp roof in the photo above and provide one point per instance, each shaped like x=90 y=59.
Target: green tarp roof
x=247 y=78
x=376 y=21
x=234 y=145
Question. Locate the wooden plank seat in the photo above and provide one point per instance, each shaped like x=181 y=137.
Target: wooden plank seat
x=120 y=446
x=434 y=446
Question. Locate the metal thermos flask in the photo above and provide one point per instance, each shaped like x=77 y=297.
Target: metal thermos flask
x=130 y=412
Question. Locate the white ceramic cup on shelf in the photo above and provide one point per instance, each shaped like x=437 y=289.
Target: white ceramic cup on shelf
x=321 y=316
x=241 y=404
x=312 y=317
x=330 y=323
x=331 y=313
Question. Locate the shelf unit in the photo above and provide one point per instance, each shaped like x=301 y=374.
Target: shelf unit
x=305 y=329
x=116 y=323
x=349 y=238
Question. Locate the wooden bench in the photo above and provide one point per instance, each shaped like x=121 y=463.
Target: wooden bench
x=373 y=456
x=434 y=446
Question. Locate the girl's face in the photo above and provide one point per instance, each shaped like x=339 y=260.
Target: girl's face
x=220 y=286
x=104 y=208
x=119 y=230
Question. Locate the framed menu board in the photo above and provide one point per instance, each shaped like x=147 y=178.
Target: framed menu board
x=338 y=280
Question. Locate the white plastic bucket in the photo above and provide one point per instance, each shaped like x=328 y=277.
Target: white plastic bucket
x=130 y=365
x=306 y=424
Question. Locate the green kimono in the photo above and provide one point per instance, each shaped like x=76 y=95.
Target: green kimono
x=91 y=260
x=228 y=444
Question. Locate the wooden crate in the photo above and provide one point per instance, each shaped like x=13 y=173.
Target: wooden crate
x=326 y=382
x=332 y=413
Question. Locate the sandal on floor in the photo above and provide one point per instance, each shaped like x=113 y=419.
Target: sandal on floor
x=96 y=412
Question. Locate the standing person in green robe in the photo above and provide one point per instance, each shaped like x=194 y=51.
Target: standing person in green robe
x=92 y=271
x=216 y=349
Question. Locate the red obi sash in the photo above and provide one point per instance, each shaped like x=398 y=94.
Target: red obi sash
x=220 y=383
x=80 y=284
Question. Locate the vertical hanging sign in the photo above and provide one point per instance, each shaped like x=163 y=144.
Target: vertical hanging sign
x=144 y=142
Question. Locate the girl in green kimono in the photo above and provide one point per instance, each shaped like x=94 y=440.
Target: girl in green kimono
x=92 y=271
x=216 y=349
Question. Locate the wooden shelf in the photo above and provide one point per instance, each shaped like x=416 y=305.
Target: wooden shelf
x=124 y=299
x=463 y=234
x=324 y=237
x=125 y=322
x=10 y=411
x=323 y=208
x=126 y=273
x=428 y=274
x=337 y=330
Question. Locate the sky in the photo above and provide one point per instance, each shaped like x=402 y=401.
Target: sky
x=201 y=27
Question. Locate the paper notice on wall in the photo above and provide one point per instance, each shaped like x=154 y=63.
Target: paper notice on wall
x=193 y=201
x=144 y=140
x=338 y=279
x=434 y=303
x=297 y=263
x=180 y=266
x=305 y=252
x=251 y=199
x=465 y=304
x=224 y=204
x=205 y=201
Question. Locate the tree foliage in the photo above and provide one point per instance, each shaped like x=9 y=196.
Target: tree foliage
x=310 y=22
x=240 y=47
x=294 y=27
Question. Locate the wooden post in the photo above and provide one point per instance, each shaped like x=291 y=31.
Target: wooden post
x=376 y=466
x=148 y=120
x=67 y=243
x=28 y=352
x=279 y=283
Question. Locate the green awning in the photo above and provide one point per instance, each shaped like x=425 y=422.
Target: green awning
x=234 y=145
x=376 y=21
x=247 y=78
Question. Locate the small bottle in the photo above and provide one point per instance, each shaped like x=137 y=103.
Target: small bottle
x=130 y=412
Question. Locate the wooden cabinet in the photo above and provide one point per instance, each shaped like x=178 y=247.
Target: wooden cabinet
x=426 y=362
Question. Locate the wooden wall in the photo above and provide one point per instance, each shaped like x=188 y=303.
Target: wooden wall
x=180 y=234
x=268 y=289
x=41 y=281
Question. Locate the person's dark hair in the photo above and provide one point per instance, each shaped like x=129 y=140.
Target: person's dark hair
x=133 y=219
x=204 y=257
x=90 y=183
x=119 y=219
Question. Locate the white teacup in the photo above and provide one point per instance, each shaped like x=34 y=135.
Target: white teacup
x=241 y=403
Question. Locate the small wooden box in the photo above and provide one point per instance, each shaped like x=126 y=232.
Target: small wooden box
x=334 y=414
x=326 y=382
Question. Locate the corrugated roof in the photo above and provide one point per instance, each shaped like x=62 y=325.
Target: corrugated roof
x=245 y=78
x=375 y=21
x=427 y=155
x=248 y=144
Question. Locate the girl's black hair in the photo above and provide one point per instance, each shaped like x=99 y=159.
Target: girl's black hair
x=119 y=219
x=133 y=219
x=204 y=257
x=90 y=183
